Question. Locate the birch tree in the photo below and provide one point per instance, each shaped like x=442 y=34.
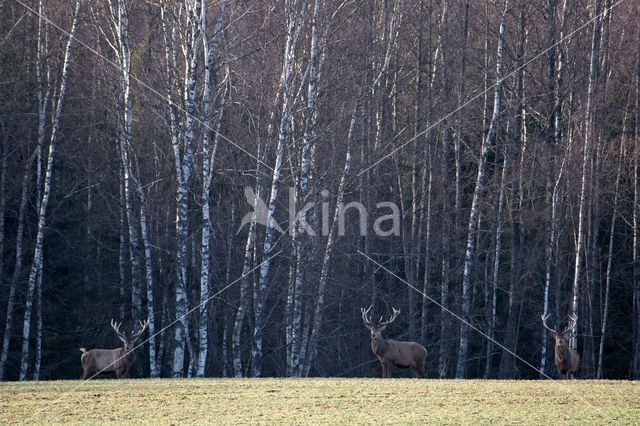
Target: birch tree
x=331 y=237
x=295 y=16
x=475 y=204
x=588 y=135
x=210 y=47
x=43 y=87
x=37 y=264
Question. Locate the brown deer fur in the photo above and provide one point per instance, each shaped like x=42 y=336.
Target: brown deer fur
x=393 y=352
x=567 y=359
x=117 y=361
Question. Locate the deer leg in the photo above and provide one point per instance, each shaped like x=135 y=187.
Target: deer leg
x=389 y=367
x=86 y=373
x=418 y=371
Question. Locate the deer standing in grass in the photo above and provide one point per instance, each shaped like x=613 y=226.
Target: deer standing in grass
x=567 y=359
x=117 y=361
x=392 y=352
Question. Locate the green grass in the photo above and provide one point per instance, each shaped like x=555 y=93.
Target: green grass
x=321 y=401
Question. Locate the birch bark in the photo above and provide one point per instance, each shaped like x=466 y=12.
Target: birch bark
x=295 y=21
x=588 y=135
x=475 y=204
x=37 y=264
x=209 y=149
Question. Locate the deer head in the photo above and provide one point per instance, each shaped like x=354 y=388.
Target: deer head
x=560 y=336
x=377 y=328
x=129 y=341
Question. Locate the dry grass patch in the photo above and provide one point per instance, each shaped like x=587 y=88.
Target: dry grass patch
x=320 y=401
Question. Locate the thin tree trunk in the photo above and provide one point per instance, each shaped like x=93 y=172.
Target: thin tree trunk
x=17 y=269
x=208 y=162
x=38 y=353
x=261 y=288
x=635 y=358
x=614 y=214
x=183 y=161
x=328 y=251
x=556 y=70
x=588 y=134
x=36 y=267
x=447 y=226
x=496 y=269
x=475 y=205
x=507 y=360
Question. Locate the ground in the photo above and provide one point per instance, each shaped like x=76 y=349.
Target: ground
x=321 y=401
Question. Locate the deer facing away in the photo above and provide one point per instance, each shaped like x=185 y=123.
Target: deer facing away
x=393 y=352
x=117 y=361
x=567 y=359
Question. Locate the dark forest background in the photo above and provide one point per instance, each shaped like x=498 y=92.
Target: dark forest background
x=507 y=133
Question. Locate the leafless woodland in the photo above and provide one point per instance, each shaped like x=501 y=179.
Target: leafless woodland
x=506 y=132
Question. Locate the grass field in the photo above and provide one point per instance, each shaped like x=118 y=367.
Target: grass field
x=320 y=401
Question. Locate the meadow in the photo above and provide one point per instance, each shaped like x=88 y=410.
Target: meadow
x=334 y=401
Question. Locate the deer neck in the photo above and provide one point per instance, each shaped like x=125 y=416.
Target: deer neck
x=126 y=354
x=562 y=352
x=379 y=346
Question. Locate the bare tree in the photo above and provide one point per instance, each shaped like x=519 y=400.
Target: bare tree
x=37 y=264
x=475 y=204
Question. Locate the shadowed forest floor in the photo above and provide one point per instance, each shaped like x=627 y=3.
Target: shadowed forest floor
x=320 y=401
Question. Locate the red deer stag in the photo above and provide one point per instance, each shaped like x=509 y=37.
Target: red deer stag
x=117 y=361
x=567 y=359
x=392 y=352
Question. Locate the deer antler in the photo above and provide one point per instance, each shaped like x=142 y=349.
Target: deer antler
x=544 y=323
x=365 y=316
x=573 y=320
x=116 y=328
x=143 y=327
x=391 y=319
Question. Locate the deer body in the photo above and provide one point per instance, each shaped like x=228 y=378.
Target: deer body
x=567 y=359
x=117 y=361
x=400 y=354
x=393 y=352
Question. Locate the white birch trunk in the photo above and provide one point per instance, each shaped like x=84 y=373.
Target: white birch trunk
x=183 y=162
x=475 y=205
x=208 y=161
x=38 y=354
x=261 y=288
x=154 y=368
x=635 y=361
x=120 y=21
x=328 y=251
x=557 y=69
x=614 y=214
x=588 y=134
x=36 y=267
x=8 y=325
x=496 y=270
x=43 y=97
x=122 y=243
x=3 y=192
